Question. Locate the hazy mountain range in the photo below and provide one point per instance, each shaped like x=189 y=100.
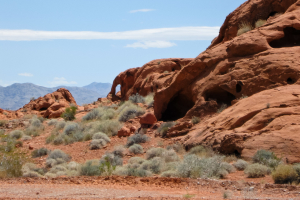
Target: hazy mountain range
x=17 y=95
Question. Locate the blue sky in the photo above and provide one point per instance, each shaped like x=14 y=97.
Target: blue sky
x=77 y=42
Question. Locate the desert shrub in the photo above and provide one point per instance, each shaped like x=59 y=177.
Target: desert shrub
x=228 y=167
x=260 y=22
x=113 y=159
x=137 y=98
x=70 y=128
x=58 y=140
x=119 y=151
x=93 y=114
x=60 y=125
x=26 y=138
x=35 y=122
x=102 y=136
x=129 y=111
x=257 y=170
x=17 y=134
x=267 y=158
x=195 y=120
x=149 y=100
x=231 y=158
x=109 y=127
x=222 y=107
x=34 y=131
x=97 y=144
x=31 y=170
x=91 y=168
x=59 y=154
x=240 y=164
x=170 y=156
x=244 y=27
x=101 y=113
x=169 y=174
x=177 y=147
x=52 y=122
x=154 y=152
x=19 y=144
x=2 y=132
x=127 y=171
x=164 y=127
x=136 y=149
x=40 y=152
x=193 y=166
x=201 y=151
x=284 y=174
x=69 y=114
x=11 y=161
x=50 y=138
x=137 y=139
x=155 y=165
x=3 y=123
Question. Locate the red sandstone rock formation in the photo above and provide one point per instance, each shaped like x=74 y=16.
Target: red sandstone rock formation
x=262 y=64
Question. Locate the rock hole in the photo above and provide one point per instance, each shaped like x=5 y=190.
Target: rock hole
x=173 y=69
x=291 y=38
x=238 y=88
x=237 y=154
x=272 y=14
x=290 y=81
x=219 y=95
x=42 y=109
x=177 y=108
x=117 y=89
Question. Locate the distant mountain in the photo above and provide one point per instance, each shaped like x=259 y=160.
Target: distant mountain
x=17 y=95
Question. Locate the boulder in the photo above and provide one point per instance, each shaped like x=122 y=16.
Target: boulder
x=148 y=118
x=124 y=132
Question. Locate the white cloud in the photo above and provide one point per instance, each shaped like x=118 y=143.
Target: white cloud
x=61 y=81
x=25 y=74
x=141 y=10
x=151 y=44
x=159 y=34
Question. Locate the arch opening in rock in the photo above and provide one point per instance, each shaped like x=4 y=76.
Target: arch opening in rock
x=238 y=88
x=177 y=108
x=117 y=89
x=291 y=38
x=219 y=95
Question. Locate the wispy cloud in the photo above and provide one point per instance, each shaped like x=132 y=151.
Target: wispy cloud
x=61 y=81
x=141 y=10
x=25 y=74
x=159 y=34
x=151 y=44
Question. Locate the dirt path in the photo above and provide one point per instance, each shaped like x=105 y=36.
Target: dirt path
x=141 y=188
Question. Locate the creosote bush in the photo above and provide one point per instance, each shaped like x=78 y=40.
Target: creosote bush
x=285 y=174
x=257 y=170
x=164 y=127
x=69 y=114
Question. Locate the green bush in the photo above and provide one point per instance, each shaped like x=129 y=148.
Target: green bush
x=285 y=174
x=16 y=134
x=136 y=149
x=240 y=165
x=267 y=158
x=195 y=120
x=69 y=114
x=109 y=127
x=40 y=152
x=113 y=159
x=164 y=127
x=137 y=98
x=244 y=27
x=137 y=139
x=256 y=170
x=97 y=144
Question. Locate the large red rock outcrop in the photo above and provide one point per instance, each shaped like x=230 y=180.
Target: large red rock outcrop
x=52 y=105
x=254 y=64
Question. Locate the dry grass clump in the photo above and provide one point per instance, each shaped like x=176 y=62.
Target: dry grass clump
x=31 y=170
x=57 y=157
x=136 y=149
x=257 y=170
x=285 y=174
x=244 y=27
x=101 y=113
x=70 y=128
x=195 y=120
x=137 y=98
x=260 y=23
x=52 y=122
x=240 y=164
x=40 y=152
x=91 y=168
x=26 y=137
x=231 y=158
x=201 y=151
x=36 y=127
x=3 y=123
x=177 y=147
x=60 y=125
x=149 y=100
x=102 y=136
x=119 y=151
x=109 y=127
x=164 y=127
x=97 y=144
